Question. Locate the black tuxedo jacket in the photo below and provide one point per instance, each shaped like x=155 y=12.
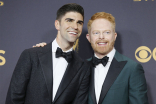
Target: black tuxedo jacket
x=32 y=80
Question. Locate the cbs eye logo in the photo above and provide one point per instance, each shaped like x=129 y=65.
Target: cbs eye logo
x=143 y=54
x=1 y=3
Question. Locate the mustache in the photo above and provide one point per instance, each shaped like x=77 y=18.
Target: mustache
x=101 y=41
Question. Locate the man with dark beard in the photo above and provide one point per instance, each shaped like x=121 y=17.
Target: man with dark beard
x=115 y=79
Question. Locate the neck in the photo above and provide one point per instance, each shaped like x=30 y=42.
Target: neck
x=64 y=45
x=99 y=55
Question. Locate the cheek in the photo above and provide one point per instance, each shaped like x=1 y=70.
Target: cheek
x=65 y=25
x=111 y=39
x=80 y=28
x=93 y=40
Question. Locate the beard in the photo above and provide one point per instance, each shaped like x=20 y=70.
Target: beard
x=103 y=50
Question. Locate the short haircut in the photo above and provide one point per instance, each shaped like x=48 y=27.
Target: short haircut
x=72 y=7
x=101 y=15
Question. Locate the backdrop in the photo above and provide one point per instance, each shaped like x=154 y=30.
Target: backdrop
x=24 y=23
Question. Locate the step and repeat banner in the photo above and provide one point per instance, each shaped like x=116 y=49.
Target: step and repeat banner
x=24 y=23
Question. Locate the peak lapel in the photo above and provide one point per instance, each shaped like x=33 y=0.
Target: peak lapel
x=69 y=74
x=92 y=88
x=113 y=72
x=45 y=57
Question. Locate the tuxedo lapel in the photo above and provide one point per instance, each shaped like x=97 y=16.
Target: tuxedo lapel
x=113 y=72
x=92 y=87
x=45 y=57
x=69 y=74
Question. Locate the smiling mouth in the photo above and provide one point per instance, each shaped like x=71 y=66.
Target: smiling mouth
x=102 y=43
x=73 y=33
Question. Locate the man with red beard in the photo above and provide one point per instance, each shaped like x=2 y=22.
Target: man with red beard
x=115 y=79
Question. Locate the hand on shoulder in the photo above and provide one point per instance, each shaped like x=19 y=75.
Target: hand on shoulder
x=40 y=44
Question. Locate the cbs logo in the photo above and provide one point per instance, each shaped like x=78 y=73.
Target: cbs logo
x=2 y=59
x=143 y=54
x=1 y=3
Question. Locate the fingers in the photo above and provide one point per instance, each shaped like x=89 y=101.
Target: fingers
x=43 y=44
x=40 y=44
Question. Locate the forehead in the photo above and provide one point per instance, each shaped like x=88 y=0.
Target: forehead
x=101 y=24
x=73 y=15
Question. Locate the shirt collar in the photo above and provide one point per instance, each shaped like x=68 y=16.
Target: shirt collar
x=55 y=45
x=110 y=54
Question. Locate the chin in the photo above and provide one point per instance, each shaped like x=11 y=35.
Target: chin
x=102 y=50
x=73 y=39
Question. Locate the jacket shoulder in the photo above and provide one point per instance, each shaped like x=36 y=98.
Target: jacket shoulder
x=121 y=57
x=44 y=49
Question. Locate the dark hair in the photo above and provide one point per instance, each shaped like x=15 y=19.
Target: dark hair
x=72 y=7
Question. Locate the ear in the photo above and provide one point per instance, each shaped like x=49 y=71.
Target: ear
x=57 y=25
x=115 y=36
x=88 y=37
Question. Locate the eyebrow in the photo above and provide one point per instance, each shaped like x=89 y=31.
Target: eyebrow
x=74 y=20
x=99 y=31
x=69 y=19
x=81 y=21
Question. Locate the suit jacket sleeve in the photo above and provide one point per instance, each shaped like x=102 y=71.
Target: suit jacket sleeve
x=20 y=78
x=138 y=87
x=82 y=94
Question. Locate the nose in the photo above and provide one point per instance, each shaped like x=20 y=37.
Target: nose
x=101 y=36
x=75 y=26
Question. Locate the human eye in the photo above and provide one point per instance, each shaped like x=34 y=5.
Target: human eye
x=96 y=33
x=107 y=32
x=80 y=22
x=69 y=20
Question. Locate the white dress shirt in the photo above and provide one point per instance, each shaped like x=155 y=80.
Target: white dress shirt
x=100 y=73
x=59 y=67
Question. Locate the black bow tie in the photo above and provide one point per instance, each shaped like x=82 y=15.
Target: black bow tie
x=67 y=56
x=96 y=61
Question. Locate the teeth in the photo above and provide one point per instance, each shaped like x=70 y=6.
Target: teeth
x=101 y=43
x=72 y=32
